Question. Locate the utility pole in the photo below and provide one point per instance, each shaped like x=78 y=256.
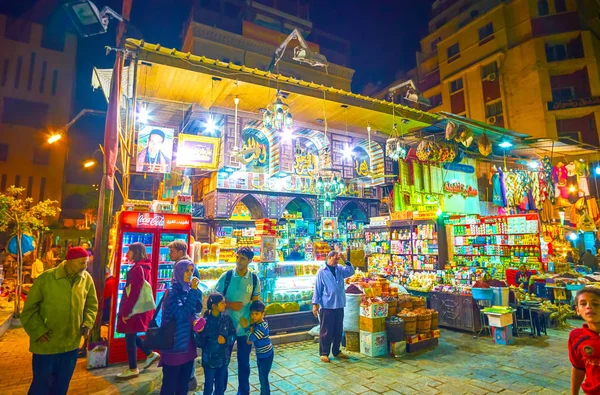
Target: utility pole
x=111 y=147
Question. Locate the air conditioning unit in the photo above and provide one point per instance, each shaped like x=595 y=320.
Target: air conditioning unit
x=491 y=77
x=491 y=120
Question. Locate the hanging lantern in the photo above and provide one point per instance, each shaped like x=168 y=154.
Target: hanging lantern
x=268 y=119
x=451 y=130
x=484 y=145
x=278 y=116
x=289 y=120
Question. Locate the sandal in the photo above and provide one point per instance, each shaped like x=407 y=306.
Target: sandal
x=325 y=358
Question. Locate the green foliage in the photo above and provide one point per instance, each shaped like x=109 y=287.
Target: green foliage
x=20 y=216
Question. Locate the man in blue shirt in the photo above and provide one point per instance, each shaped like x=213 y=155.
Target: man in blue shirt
x=329 y=294
x=240 y=288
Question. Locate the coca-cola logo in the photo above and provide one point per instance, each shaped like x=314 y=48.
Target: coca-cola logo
x=150 y=221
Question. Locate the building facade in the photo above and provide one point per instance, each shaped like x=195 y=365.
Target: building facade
x=37 y=68
x=248 y=33
x=525 y=65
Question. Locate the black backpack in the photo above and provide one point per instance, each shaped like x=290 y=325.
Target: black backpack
x=228 y=277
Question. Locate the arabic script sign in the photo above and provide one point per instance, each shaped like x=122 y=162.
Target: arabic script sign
x=198 y=151
x=574 y=103
x=458 y=188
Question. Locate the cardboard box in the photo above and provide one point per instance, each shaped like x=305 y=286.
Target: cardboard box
x=499 y=320
x=374 y=310
x=435 y=333
x=373 y=344
x=372 y=325
x=413 y=339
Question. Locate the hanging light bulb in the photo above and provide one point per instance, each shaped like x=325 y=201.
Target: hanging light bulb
x=142 y=115
x=286 y=134
x=279 y=117
x=347 y=152
x=210 y=126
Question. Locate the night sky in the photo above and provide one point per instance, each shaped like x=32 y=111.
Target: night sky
x=383 y=41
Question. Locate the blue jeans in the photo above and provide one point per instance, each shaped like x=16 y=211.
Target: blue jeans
x=52 y=373
x=176 y=379
x=243 y=357
x=264 y=367
x=215 y=378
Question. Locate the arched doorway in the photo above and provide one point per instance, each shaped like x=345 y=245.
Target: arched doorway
x=296 y=227
x=251 y=208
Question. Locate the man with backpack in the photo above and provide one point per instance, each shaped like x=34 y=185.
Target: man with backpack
x=240 y=287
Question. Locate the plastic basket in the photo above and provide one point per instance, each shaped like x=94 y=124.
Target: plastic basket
x=501 y=296
x=482 y=293
x=395 y=331
x=574 y=287
x=540 y=290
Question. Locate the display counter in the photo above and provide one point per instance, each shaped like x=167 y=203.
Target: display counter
x=456 y=311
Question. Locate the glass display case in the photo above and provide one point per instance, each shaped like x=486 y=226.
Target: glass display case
x=288 y=285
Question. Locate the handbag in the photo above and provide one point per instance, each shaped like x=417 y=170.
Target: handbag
x=160 y=337
x=145 y=301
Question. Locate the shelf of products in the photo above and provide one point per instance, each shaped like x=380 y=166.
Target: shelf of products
x=496 y=242
x=288 y=286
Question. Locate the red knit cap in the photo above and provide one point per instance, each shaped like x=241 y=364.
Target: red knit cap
x=76 y=253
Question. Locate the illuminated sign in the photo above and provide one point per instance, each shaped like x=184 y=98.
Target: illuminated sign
x=147 y=220
x=198 y=152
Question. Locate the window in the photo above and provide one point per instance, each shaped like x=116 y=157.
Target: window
x=3 y=182
x=560 y=6
x=456 y=85
x=31 y=70
x=54 y=81
x=5 y=66
x=434 y=43
x=493 y=109
x=436 y=100
x=29 y=186
x=18 y=71
x=556 y=52
x=453 y=50
x=231 y=10
x=3 y=152
x=24 y=113
x=41 y=156
x=488 y=69
x=566 y=93
x=17 y=29
x=42 y=188
x=43 y=77
x=486 y=31
x=543 y=8
x=17 y=181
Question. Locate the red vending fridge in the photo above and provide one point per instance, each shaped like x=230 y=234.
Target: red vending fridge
x=156 y=231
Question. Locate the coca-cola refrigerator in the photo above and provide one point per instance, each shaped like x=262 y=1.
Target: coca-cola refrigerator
x=156 y=231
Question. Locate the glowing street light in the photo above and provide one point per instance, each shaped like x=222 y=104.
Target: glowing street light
x=54 y=138
x=89 y=163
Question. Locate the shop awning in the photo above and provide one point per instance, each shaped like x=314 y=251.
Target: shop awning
x=177 y=80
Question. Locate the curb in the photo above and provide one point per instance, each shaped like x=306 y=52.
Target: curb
x=6 y=324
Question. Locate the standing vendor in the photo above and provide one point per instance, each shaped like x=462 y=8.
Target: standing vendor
x=523 y=277
x=295 y=255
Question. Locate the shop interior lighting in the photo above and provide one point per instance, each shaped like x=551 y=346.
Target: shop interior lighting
x=210 y=126
x=505 y=144
x=573 y=236
x=572 y=188
x=89 y=164
x=439 y=211
x=142 y=115
x=534 y=164
x=597 y=170
x=347 y=152
x=54 y=138
x=286 y=134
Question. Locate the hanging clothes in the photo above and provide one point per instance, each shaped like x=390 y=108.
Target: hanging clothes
x=593 y=210
x=498 y=188
x=549 y=212
x=583 y=172
x=510 y=179
x=560 y=177
x=547 y=169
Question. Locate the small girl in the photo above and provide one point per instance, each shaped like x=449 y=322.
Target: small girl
x=216 y=341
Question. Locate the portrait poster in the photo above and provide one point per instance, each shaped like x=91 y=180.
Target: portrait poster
x=154 y=150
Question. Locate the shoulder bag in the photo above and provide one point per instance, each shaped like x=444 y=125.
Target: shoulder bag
x=160 y=337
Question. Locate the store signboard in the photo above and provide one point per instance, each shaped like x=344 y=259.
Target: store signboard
x=460 y=189
x=154 y=150
x=198 y=152
x=148 y=220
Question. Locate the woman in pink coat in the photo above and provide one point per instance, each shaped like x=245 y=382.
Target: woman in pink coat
x=129 y=324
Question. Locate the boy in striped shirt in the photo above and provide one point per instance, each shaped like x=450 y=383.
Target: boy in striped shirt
x=258 y=333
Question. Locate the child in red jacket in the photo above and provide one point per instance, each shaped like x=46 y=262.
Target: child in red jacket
x=584 y=344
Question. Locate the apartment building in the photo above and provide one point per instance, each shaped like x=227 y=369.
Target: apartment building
x=525 y=65
x=37 y=68
x=248 y=32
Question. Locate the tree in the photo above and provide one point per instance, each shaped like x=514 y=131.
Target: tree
x=20 y=217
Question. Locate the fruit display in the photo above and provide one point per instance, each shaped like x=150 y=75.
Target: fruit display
x=422 y=281
x=213 y=273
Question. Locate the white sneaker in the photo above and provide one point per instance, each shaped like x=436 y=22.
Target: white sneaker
x=128 y=374
x=151 y=359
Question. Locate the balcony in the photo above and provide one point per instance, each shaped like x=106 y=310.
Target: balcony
x=557 y=52
x=429 y=81
x=555 y=24
x=565 y=104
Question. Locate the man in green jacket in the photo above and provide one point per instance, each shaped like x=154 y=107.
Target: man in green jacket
x=60 y=308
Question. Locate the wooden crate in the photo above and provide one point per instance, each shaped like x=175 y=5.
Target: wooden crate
x=372 y=325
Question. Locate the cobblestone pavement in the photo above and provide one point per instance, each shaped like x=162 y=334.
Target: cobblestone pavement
x=460 y=365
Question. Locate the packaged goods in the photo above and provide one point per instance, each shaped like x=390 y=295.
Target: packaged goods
x=372 y=325
x=373 y=344
x=371 y=309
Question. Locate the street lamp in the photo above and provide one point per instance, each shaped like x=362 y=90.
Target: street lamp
x=89 y=163
x=54 y=138
x=87 y=19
